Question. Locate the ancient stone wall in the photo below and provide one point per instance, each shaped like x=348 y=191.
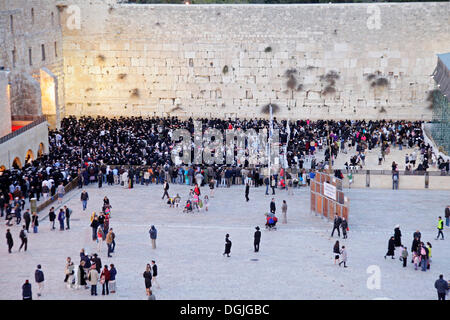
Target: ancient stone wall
x=31 y=39
x=313 y=61
x=25 y=95
x=5 y=108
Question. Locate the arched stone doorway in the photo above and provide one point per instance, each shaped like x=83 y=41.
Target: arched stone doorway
x=40 y=151
x=49 y=96
x=29 y=157
x=17 y=164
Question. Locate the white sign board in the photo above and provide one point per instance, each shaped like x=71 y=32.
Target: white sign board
x=329 y=190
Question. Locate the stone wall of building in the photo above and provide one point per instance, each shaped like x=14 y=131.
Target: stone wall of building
x=313 y=61
x=5 y=108
x=32 y=140
x=31 y=38
x=25 y=95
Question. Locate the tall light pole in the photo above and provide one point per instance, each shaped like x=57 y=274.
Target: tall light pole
x=329 y=148
x=270 y=140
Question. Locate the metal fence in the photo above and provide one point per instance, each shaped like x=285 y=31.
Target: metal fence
x=440 y=126
x=68 y=187
x=11 y=135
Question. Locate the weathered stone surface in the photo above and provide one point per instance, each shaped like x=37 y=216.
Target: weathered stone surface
x=166 y=48
x=5 y=108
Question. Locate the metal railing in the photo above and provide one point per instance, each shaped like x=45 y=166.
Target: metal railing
x=68 y=187
x=14 y=134
x=401 y=173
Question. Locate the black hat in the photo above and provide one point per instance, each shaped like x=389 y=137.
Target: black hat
x=257 y=228
x=38 y=266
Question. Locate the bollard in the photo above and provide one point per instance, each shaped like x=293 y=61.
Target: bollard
x=33 y=205
x=368 y=178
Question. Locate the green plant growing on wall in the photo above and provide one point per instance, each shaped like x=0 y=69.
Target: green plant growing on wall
x=430 y=98
x=225 y=70
x=377 y=80
x=328 y=90
x=135 y=93
x=292 y=82
x=382 y=110
x=380 y=82
x=268 y=49
x=177 y=108
x=266 y=109
x=330 y=80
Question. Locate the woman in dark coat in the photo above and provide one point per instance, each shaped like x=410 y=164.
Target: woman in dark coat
x=391 y=248
x=148 y=277
x=82 y=274
x=336 y=252
x=227 y=245
x=397 y=236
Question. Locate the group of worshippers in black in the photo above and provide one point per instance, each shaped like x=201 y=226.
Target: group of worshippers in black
x=86 y=146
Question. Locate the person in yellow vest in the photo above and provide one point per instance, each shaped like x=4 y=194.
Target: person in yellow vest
x=93 y=216
x=440 y=227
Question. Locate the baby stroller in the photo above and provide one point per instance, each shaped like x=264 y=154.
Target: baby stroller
x=271 y=221
x=188 y=207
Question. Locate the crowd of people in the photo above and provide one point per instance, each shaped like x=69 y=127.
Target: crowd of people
x=102 y=150
x=129 y=151
x=420 y=252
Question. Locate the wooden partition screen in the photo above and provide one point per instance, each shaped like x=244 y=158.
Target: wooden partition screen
x=324 y=205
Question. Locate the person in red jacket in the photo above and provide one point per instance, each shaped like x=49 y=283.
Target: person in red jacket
x=105 y=276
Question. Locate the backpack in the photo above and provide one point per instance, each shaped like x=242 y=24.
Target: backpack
x=423 y=252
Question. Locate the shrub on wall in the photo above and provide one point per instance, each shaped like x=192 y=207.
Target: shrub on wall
x=266 y=109
x=225 y=70
x=101 y=57
x=135 y=93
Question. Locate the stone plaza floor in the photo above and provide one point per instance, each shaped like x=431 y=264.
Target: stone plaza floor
x=294 y=262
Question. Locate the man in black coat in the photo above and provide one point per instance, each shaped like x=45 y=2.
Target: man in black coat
x=23 y=238
x=344 y=226
x=86 y=259
x=166 y=189
x=336 y=224
x=257 y=239
x=26 y=291
x=441 y=286
x=9 y=240
x=68 y=213
x=94 y=225
x=39 y=277
x=247 y=191
x=417 y=235
x=267 y=182
x=98 y=263
x=391 y=248
x=397 y=236
x=272 y=206
x=27 y=219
